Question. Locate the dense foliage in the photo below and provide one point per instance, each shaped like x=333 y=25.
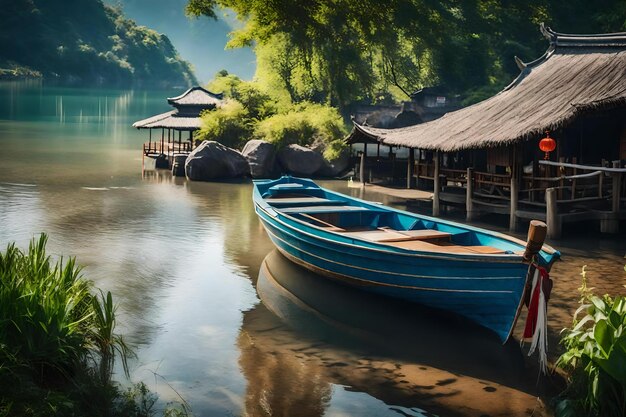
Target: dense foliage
x=58 y=342
x=250 y=112
x=84 y=41
x=595 y=358
x=340 y=51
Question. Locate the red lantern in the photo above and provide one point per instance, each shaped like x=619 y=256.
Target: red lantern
x=547 y=144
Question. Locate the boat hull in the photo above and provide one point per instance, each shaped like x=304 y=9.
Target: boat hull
x=488 y=292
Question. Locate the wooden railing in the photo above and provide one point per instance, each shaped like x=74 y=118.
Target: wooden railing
x=580 y=192
x=166 y=148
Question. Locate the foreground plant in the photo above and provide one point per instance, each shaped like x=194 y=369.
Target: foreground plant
x=595 y=357
x=58 y=343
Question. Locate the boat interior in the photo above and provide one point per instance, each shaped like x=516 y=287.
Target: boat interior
x=381 y=226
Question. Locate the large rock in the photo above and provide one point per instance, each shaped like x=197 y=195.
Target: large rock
x=300 y=161
x=212 y=160
x=261 y=157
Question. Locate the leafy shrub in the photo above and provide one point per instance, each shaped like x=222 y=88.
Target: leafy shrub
x=250 y=112
x=595 y=357
x=258 y=104
x=229 y=125
x=304 y=124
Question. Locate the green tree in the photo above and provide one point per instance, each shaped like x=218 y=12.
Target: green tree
x=340 y=51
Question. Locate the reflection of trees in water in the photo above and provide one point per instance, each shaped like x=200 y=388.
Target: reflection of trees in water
x=289 y=341
x=278 y=384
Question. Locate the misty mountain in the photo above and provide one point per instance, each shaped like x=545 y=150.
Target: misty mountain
x=199 y=41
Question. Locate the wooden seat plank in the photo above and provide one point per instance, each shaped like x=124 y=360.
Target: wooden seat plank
x=378 y=235
x=425 y=234
x=420 y=245
x=300 y=200
x=322 y=209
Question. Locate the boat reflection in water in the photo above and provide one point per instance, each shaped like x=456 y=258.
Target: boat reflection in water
x=311 y=335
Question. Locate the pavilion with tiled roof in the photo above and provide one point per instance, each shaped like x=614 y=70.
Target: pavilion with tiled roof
x=184 y=118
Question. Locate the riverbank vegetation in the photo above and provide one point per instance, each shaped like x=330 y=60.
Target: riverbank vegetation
x=595 y=357
x=84 y=42
x=252 y=112
x=58 y=343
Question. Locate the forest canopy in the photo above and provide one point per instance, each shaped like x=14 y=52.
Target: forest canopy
x=339 y=52
x=85 y=41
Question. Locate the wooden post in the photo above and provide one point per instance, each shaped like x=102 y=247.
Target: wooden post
x=514 y=200
x=409 y=168
x=617 y=188
x=162 y=145
x=417 y=168
x=436 y=186
x=610 y=223
x=552 y=215
x=469 y=191
x=514 y=188
x=362 y=169
x=601 y=181
x=561 y=181
x=532 y=180
x=574 y=172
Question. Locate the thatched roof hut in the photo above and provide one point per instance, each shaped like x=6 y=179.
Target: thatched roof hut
x=578 y=74
x=186 y=116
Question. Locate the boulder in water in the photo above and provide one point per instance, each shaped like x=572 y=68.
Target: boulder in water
x=212 y=160
x=300 y=161
x=261 y=157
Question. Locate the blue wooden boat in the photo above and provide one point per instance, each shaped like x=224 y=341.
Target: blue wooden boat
x=476 y=273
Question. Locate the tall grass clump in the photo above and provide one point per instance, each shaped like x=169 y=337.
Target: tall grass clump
x=57 y=340
x=595 y=357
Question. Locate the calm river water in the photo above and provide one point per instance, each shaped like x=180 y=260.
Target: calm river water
x=215 y=313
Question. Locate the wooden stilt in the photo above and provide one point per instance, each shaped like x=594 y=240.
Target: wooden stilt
x=362 y=168
x=436 y=186
x=617 y=188
x=469 y=191
x=552 y=215
x=610 y=223
x=514 y=188
x=409 y=168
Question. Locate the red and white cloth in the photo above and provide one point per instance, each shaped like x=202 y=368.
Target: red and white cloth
x=536 y=329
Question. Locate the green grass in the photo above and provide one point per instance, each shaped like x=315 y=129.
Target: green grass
x=58 y=343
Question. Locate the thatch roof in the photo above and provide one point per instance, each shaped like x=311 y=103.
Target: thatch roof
x=197 y=96
x=169 y=120
x=576 y=75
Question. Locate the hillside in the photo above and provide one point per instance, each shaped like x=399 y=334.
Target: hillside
x=87 y=42
x=199 y=41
